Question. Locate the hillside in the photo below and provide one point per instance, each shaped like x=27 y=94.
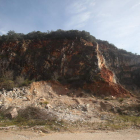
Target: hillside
x=70 y=57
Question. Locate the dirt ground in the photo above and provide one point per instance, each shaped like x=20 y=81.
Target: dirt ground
x=95 y=135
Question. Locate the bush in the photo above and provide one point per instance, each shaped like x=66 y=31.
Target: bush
x=6 y=84
x=121 y=100
x=36 y=113
x=19 y=81
x=27 y=82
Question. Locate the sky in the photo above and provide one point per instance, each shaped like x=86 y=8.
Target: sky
x=116 y=21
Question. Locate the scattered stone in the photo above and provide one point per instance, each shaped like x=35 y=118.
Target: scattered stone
x=78 y=101
x=87 y=105
x=84 y=108
x=95 y=101
x=114 y=98
x=104 y=117
x=0 y=103
x=117 y=110
x=42 y=99
x=25 y=99
x=35 y=92
x=28 y=98
x=8 y=127
x=48 y=106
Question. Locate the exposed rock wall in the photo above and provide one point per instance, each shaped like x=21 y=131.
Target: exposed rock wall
x=50 y=59
x=107 y=74
x=125 y=65
x=74 y=62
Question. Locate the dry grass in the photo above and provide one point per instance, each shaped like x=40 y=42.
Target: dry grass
x=116 y=123
x=37 y=117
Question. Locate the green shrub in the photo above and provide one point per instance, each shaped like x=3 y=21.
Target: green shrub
x=6 y=84
x=19 y=80
x=27 y=82
x=120 y=100
x=106 y=98
x=45 y=102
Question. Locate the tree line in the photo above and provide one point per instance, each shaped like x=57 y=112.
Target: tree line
x=59 y=34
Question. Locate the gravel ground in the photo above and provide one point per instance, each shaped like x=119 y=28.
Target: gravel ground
x=97 y=135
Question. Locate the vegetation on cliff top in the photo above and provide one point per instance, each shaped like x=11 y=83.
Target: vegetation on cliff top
x=59 y=34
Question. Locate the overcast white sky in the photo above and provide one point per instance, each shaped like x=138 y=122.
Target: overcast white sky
x=117 y=21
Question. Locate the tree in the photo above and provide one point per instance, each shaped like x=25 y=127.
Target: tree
x=12 y=36
x=11 y=33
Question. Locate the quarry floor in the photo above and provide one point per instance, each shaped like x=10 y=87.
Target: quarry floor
x=95 y=135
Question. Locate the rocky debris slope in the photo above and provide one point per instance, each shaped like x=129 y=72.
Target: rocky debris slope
x=47 y=97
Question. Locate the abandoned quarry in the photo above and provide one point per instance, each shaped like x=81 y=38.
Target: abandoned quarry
x=67 y=82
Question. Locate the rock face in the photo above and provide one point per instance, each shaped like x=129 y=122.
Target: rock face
x=125 y=65
x=94 y=66
x=51 y=59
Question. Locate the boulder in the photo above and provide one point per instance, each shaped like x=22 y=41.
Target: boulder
x=105 y=106
x=12 y=113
